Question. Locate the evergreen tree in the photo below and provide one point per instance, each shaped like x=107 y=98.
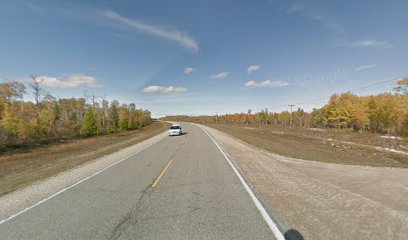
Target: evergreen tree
x=89 y=124
x=114 y=116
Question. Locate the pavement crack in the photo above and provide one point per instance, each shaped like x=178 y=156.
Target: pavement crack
x=129 y=219
x=190 y=211
x=176 y=151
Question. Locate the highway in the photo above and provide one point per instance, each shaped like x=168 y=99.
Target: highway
x=181 y=187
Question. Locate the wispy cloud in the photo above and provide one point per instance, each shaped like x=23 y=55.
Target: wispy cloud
x=370 y=43
x=364 y=67
x=181 y=38
x=253 y=68
x=336 y=29
x=220 y=75
x=188 y=70
x=266 y=84
x=72 y=81
x=34 y=7
x=164 y=90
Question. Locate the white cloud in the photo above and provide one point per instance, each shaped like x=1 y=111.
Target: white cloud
x=188 y=70
x=181 y=38
x=364 y=67
x=164 y=90
x=265 y=84
x=370 y=43
x=253 y=68
x=220 y=75
x=72 y=81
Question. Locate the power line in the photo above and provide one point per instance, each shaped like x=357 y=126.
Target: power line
x=363 y=88
x=377 y=84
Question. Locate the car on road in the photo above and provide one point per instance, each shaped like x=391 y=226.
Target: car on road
x=175 y=130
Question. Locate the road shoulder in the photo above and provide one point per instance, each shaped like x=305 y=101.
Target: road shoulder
x=323 y=200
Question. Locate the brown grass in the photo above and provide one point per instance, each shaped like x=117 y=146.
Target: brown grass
x=21 y=169
x=313 y=145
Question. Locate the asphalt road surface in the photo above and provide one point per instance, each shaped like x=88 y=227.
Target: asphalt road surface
x=179 y=188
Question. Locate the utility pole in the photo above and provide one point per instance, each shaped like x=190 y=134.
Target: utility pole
x=290 y=123
x=216 y=118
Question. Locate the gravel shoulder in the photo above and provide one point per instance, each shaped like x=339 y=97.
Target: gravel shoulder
x=329 y=146
x=325 y=200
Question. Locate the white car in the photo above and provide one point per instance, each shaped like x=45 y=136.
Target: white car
x=175 y=130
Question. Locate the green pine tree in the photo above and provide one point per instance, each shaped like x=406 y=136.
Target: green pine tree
x=89 y=124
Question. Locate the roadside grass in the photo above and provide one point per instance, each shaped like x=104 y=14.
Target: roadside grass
x=342 y=147
x=21 y=169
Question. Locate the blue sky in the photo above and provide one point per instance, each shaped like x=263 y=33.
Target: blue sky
x=203 y=57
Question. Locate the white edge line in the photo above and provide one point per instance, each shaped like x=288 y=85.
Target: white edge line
x=274 y=228
x=71 y=186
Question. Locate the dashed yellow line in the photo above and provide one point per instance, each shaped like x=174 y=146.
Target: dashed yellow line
x=162 y=173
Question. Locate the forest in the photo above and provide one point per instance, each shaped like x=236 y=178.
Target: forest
x=380 y=113
x=47 y=118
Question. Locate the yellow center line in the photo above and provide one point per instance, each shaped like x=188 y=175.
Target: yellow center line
x=162 y=173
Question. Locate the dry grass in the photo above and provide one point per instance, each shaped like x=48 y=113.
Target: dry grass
x=21 y=169
x=313 y=145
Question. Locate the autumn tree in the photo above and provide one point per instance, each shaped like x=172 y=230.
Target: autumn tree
x=124 y=117
x=402 y=86
x=48 y=118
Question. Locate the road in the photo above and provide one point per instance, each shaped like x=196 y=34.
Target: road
x=179 y=188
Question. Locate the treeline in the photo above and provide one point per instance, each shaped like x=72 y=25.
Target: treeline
x=383 y=113
x=48 y=118
x=299 y=118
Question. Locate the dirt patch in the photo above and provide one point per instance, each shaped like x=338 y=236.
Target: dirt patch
x=324 y=200
x=18 y=170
